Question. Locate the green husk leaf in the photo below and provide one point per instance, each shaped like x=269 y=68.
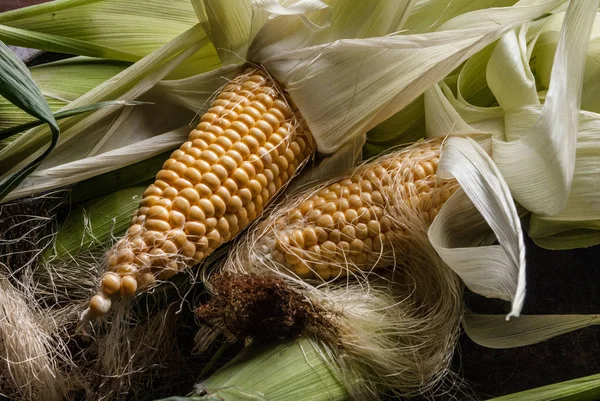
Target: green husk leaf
x=277 y=372
x=59 y=44
x=228 y=25
x=17 y=85
x=580 y=389
x=122 y=30
x=570 y=239
x=493 y=331
x=95 y=222
x=62 y=82
x=5 y=133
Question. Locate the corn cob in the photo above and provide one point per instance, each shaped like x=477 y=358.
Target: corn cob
x=246 y=147
x=359 y=222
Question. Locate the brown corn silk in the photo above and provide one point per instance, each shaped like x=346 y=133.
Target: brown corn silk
x=354 y=224
x=247 y=146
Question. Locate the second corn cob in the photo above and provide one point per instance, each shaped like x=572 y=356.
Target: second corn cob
x=244 y=150
x=356 y=223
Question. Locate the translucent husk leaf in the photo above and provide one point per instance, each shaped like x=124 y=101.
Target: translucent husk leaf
x=116 y=29
x=460 y=233
x=493 y=331
x=299 y=369
x=539 y=164
x=70 y=173
x=369 y=73
x=581 y=389
x=95 y=222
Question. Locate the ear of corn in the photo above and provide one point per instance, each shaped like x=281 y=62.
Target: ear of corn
x=245 y=149
x=356 y=224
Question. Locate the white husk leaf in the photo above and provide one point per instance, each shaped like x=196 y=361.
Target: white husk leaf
x=309 y=24
x=195 y=92
x=539 y=165
x=441 y=118
x=369 y=86
x=428 y=15
x=493 y=331
x=79 y=170
x=489 y=120
x=458 y=231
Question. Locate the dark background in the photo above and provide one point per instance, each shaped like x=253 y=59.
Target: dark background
x=565 y=282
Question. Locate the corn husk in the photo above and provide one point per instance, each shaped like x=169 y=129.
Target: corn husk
x=120 y=30
x=131 y=83
x=292 y=370
x=493 y=331
x=581 y=389
x=518 y=74
x=356 y=105
x=56 y=82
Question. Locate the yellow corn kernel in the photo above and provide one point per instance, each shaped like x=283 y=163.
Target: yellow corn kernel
x=212 y=187
x=345 y=226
